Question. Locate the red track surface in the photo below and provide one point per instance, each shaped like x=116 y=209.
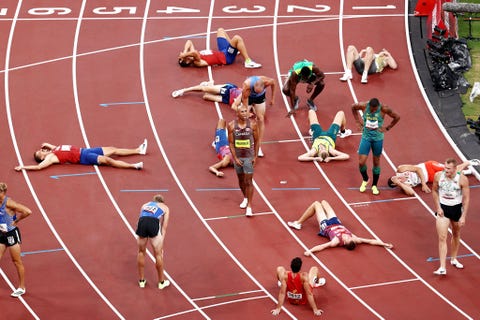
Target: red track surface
x=80 y=245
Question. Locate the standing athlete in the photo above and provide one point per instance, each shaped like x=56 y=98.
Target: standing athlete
x=373 y=130
x=11 y=213
x=244 y=144
x=152 y=225
x=451 y=197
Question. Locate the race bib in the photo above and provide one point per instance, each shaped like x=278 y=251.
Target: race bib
x=294 y=296
x=371 y=124
x=206 y=52
x=242 y=144
x=3 y=227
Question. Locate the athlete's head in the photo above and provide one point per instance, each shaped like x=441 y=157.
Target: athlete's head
x=185 y=62
x=40 y=155
x=242 y=112
x=259 y=86
x=307 y=75
x=323 y=151
x=158 y=198
x=351 y=245
x=450 y=167
x=296 y=264
x=374 y=102
x=3 y=187
x=390 y=182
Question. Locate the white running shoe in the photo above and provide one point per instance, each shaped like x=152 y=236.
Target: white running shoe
x=143 y=147
x=294 y=225
x=475 y=91
x=364 y=79
x=244 y=203
x=347 y=76
x=177 y=93
x=18 y=292
x=475 y=162
x=164 y=284
x=252 y=65
x=142 y=283
x=138 y=165
x=249 y=212
x=318 y=282
x=440 y=271
x=345 y=134
x=260 y=153
x=456 y=264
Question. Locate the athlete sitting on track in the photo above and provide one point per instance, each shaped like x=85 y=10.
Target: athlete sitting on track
x=298 y=286
x=409 y=176
x=332 y=228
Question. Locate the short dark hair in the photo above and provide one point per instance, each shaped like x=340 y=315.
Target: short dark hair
x=305 y=72
x=296 y=264
x=391 y=184
x=374 y=102
x=36 y=157
x=451 y=160
x=350 y=245
x=183 y=63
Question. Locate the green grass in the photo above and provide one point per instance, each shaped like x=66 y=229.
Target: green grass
x=471 y=110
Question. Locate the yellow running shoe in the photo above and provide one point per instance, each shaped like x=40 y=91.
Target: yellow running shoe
x=363 y=187
x=375 y=190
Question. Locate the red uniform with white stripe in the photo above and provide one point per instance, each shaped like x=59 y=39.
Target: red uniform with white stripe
x=67 y=153
x=295 y=292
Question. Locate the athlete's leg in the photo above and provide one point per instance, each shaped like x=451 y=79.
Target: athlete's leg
x=340 y=120
x=157 y=246
x=107 y=161
x=260 y=113
x=142 y=249
x=351 y=55
x=314 y=208
x=312 y=117
x=15 y=254
x=455 y=244
x=330 y=213
x=442 y=225
x=113 y=151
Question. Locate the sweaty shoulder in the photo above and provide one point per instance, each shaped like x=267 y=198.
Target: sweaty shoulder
x=52 y=158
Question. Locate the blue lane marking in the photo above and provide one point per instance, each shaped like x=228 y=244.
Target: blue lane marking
x=430 y=259
x=71 y=175
x=281 y=189
x=184 y=37
x=40 y=251
x=144 y=190
x=217 y=189
x=119 y=103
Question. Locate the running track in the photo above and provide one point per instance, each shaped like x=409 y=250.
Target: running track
x=96 y=73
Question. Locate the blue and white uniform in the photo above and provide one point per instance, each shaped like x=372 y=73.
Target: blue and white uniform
x=9 y=234
x=149 y=220
x=254 y=97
